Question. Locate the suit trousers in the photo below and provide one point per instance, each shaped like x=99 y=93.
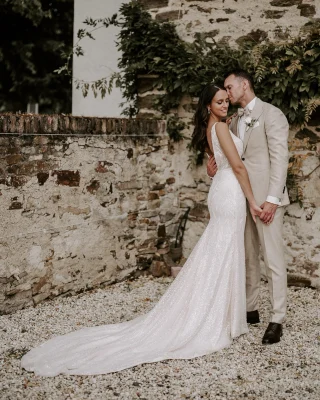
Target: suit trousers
x=271 y=241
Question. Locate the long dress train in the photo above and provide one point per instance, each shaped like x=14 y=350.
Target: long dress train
x=202 y=310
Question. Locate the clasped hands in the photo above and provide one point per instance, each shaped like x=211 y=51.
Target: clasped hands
x=268 y=209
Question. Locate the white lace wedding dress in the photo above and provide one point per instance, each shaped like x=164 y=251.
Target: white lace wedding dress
x=202 y=310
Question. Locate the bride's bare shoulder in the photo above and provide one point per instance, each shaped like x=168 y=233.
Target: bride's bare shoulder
x=222 y=127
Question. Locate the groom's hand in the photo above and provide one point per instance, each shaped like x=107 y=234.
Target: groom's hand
x=268 y=212
x=211 y=167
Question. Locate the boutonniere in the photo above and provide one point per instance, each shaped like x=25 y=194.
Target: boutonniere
x=250 y=122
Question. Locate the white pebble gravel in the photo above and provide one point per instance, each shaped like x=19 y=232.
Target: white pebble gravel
x=245 y=370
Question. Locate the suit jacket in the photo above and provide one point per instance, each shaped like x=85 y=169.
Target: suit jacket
x=265 y=153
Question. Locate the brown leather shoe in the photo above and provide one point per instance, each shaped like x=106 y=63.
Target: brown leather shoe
x=253 y=317
x=272 y=334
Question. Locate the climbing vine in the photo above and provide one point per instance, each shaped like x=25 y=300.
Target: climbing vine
x=287 y=74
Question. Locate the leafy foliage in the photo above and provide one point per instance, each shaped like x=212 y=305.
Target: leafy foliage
x=287 y=74
x=150 y=47
x=174 y=128
x=40 y=38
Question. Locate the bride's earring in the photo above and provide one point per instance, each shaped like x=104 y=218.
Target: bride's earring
x=209 y=111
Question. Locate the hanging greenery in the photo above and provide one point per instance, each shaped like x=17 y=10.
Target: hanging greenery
x=287 y=73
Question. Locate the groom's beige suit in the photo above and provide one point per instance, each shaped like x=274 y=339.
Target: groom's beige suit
x=265 y=156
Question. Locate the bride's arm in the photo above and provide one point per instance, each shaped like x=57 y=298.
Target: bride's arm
x=240 y=171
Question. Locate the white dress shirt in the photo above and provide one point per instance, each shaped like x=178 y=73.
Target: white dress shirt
x=242 y=130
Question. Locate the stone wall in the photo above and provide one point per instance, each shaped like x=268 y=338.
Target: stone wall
x=233 y=21
x=84 y=201
x=91 y=201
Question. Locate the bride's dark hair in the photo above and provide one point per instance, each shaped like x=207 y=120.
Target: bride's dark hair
x=199 y=137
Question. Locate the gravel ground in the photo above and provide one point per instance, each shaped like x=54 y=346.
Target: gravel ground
x=287 y=370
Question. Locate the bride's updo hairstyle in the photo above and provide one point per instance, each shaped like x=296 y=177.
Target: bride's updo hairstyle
x=201 y=117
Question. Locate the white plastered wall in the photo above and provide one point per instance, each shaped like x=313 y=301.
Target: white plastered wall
x=100 y=59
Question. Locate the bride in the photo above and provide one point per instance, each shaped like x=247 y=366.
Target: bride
x=205 y=306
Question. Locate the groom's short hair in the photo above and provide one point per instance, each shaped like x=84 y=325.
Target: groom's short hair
x=241 y=73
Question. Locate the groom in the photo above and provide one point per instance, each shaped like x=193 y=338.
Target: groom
x=263 y=129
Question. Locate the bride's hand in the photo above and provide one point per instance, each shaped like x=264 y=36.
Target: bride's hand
x=255 y=211
x=228 y=120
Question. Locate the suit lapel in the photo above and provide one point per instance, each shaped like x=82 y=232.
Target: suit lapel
x=255 y=114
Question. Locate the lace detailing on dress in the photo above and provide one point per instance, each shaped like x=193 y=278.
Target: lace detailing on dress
x=202 y=310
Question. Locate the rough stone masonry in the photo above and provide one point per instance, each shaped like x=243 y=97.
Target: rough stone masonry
x=87 y=201
x=84 y=201
x=236 y=21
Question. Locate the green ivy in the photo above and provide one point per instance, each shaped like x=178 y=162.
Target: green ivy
x=287 y=74
x=175 y=127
